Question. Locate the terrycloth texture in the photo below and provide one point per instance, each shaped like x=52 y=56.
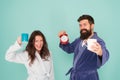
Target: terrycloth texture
x=85 y=62
x=35 y=71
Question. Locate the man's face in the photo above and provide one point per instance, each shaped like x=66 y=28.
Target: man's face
x=85 y=29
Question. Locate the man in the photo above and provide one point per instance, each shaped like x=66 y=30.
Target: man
x=86 y=61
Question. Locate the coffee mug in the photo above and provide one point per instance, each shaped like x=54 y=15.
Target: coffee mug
x=90 y=43
x=24 y=37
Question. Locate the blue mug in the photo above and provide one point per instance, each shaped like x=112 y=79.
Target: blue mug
x=24 y=37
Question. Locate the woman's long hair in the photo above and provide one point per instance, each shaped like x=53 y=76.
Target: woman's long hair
x=44 y=53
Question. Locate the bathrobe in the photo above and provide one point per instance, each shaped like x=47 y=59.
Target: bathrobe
x=39 y=70
x=85 y=62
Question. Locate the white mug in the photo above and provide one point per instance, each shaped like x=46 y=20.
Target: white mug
x=90 y=43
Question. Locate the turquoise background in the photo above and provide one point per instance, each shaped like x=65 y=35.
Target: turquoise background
x=51 y=16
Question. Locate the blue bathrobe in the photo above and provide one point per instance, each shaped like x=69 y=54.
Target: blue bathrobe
x=85 y=62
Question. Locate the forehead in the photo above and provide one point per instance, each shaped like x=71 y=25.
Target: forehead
x=83 y=21
x=38 y=37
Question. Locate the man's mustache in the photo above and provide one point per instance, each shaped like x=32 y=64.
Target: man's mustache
x=84 y=30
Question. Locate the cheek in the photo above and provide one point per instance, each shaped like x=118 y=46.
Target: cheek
x=39 y=44
x=35 y=45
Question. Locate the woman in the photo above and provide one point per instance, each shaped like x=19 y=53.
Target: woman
x=36 y=57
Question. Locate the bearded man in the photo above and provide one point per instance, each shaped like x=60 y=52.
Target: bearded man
x=87 y=59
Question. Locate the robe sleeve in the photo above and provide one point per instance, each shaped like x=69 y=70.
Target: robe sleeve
x=69 y=47
x=101 y=60
x=13 y=56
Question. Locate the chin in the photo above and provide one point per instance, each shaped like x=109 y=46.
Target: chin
x=38 y=49
x=83 y=32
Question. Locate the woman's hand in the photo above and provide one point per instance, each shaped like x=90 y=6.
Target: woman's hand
x=19 y=40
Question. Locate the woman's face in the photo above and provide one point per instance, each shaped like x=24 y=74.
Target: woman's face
x=38 y=44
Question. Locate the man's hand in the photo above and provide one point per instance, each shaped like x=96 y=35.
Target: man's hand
x=97 y=49
x=61 y=33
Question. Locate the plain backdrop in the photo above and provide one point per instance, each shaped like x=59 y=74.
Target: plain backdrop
x=51 y=16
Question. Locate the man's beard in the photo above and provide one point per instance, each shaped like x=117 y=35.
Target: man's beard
x=85 y=34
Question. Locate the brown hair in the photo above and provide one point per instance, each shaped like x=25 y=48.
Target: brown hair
x=44 y=53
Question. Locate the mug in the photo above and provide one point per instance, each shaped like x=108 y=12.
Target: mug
x=24 y=37
x=90 y=43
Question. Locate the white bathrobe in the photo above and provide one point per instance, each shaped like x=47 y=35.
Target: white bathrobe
x=39 y=70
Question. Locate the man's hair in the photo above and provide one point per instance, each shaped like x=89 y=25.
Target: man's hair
x=88 y=17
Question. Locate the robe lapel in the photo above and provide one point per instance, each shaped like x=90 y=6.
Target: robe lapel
x=40 y=61
x=80 y=51
x=42 y=65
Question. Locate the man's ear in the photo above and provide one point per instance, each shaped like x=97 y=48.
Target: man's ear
x=92 y=26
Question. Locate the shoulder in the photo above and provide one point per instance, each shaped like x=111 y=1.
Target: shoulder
x=50 y=57
x=50 y=54
x=77 y=39
x=99 y=40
